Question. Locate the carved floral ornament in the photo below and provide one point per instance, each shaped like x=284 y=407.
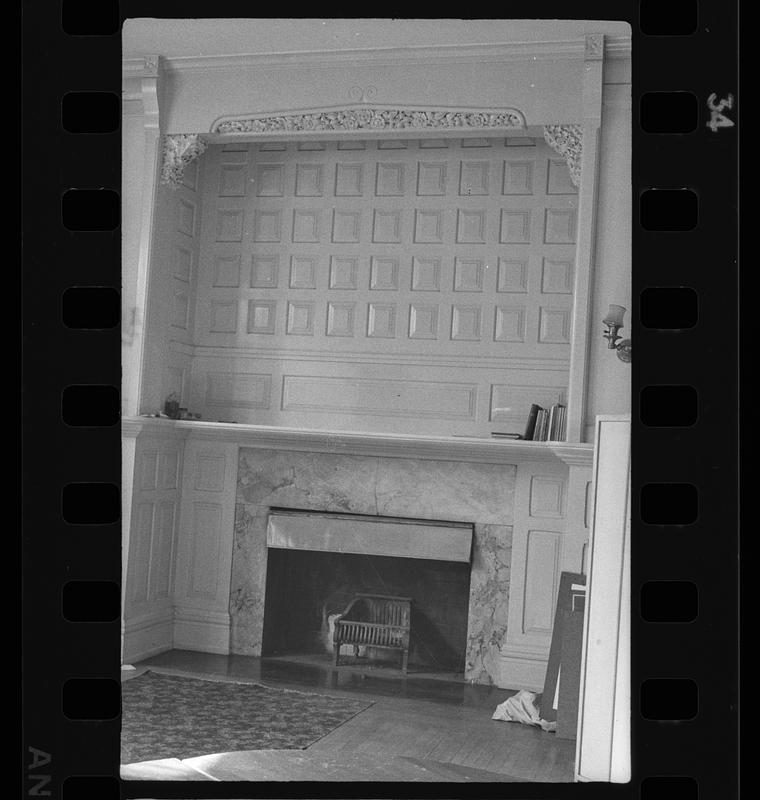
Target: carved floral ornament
x=181 y=149
x=567 y=140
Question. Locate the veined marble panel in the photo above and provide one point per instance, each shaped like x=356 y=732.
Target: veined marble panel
x=394 y=487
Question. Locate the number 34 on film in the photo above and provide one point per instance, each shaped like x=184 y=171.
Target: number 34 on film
x=717 y=118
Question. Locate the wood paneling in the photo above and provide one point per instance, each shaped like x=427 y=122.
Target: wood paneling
x=454 y=254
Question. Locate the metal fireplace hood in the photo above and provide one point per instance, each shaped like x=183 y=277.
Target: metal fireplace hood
x=377 y=536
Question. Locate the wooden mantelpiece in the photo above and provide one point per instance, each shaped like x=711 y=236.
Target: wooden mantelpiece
x=437 y=448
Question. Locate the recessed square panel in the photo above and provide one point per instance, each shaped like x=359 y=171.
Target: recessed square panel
x=300 y=318
x=554 y=325
x=232 y=180
x=392 y=144
x=343 y=272
x=468 y=275
x=558 y=179
x=518 y=177
x=306 y=225
x=267 y=226
x=261 y=316
x=229 y=225
x=381 y=320
x=183 y=263
x=303 y=272
x=383 y=274
x=186 y=217
x=386 y=226
x=223 y=316
x=466 y=323
x=431 y=178
x=509 y=324
x=426 y=274
x=423 y=321
x=473 y=178
x=433 y=144
x=513 y=275
x=560 y=226
x=352 y=145
x=270 y=180
x=428 y=226
x=476 y=142
x=309 y=180
x=471 y=226
x=180 y=310
x=271 y=147
x=389 y=181
x=227 y=270
x=547 y=496
x=264 y=270
x=515 y=227
x=346 y=226
x=340 y=319
x=312 y=145
x=519 y=141
x=348 y=180
x=557 y=276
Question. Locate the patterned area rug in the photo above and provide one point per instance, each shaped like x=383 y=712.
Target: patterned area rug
x=167 y=716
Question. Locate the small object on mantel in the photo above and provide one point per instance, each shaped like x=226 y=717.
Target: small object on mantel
x=171 y=406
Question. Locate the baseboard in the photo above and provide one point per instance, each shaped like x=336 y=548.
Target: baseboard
x=523 y=672
x=147 y=635
x=201 y=630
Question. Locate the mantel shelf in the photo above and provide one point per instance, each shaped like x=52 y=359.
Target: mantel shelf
x=437 y=448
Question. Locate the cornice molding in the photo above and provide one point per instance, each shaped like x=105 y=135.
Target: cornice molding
x=467 y=449
x=614 y=47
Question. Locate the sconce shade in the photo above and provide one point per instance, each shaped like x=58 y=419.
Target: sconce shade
x=615 y=316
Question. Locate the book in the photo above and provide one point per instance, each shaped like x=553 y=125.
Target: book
x=530 y=426
x=500 y=435
x=552 y=423
x=539 y=434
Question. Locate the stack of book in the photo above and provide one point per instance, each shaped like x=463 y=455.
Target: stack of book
x=546 y=424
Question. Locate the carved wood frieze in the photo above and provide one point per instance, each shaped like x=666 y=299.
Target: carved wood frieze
x=567 y=141
x=372 y=119
x=179 y=151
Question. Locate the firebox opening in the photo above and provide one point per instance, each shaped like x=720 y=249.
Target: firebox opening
x=305 y=589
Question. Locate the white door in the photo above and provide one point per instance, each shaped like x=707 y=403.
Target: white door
x=603 y=749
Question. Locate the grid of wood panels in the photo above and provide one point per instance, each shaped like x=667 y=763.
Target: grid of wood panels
x=437 y=250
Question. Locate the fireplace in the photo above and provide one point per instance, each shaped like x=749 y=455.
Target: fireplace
x=459 y=599
x=317 y=563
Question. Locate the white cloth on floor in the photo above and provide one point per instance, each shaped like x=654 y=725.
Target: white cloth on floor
x=521 y=707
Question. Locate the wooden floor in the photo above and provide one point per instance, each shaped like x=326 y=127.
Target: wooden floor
x=416 y=730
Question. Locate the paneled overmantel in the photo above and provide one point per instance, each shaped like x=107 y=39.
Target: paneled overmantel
x=547 y=90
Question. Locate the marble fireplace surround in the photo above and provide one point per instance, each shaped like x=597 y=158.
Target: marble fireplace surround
x=477 y=493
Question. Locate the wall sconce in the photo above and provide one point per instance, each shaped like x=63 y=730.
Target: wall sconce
x=614 y=322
